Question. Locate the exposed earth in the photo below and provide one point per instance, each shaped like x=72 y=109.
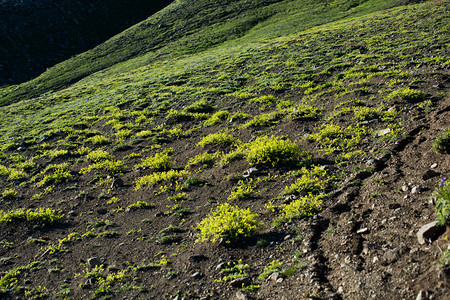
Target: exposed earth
x=119 y=240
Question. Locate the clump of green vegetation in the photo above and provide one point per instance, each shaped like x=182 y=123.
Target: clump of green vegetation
x=9 y=193
x=272 y=150
x=304 y=111
x=99 y=155
x=265 y=100
x=243 y=190
x=228 y=222
x=218 y=138
x=442 y=143
x=272 y=267
x=442 y=196
x=139 y=205
x=61 y=173
x=303 y=207
x=205 y=159
x=408 y=94
x=39 y=216
x=158 y=162
x=110 y=166
x=98 y=140
x=217 y=118
x=171 y=175
x=233 y=270
x=200 y=106
x=310 y=181
x=260 y=120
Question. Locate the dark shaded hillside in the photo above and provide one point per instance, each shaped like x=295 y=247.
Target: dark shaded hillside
x=35 y=35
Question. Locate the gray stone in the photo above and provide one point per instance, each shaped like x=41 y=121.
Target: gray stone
x=94 y=261
x=429 y=232
x=418 y=189
x=422 y=295
x=273 y=277
x=240 y=296
x=383 y=132
x=391 y=256
x=405 y=188
x=250 y=172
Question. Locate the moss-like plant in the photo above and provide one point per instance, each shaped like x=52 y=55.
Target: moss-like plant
x=217 y=138
x=408 y=94
x=99 y=155
x=98 y=140
x=217 y=118
x=243 y=190
x=200 y=106
x=139 y=205
x=228 y=222
x=39 y=216
x=204 y=159
x=442 y=143
x=272 y=151
x=300 y=208
x=9 y=193
x=158 y=162
x=171 y=175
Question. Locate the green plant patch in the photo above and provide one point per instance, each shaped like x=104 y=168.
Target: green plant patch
x=300 y=208
x=442 y=143
x=9 y=193
x=273 y=150
x=442 y=196
x=228 y=222
x=157 y=177
x=99 y=155
x=39 y=216
x=158 y=162
x=217 y=139
x=217 y=118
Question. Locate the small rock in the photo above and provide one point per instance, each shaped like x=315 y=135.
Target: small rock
x=94 y=261
x=250 y=172
x=433 y=166
x=240 y=296
x=429 y=232
x=429 y=174
x=239 y=282
x=72 y=213
x=273 y=277
x=22 y=148
x=374 y=163
x=418 y=189
x=422 y=295
x=221 y=266
x=362 y=230
x=340 y=290
x=405 y=188
x=383 y=132
x=197 y=275
x=391 y=256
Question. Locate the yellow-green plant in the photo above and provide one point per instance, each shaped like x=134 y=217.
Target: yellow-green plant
x=228 y=222
x=266 y=99
x=204 y=159
x=172 y=175
x=99 y=155
x=46 y=216
x=158 y=162
x=272 y=150
x=300 y=208
x=272 y=267
x=217 y=118
x=98 y=140
x=9 y=193
x=243 y=190
x=442 y=143
x=110 y=166
x=222 y=137
x=139 y=204
x=408 y=94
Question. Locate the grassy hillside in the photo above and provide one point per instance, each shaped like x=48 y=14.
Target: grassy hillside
x=188 y=27
x=258 y=149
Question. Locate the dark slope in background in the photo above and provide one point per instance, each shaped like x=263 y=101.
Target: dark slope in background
x=35 y=35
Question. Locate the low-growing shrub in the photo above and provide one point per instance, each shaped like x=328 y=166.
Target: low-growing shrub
x=200 y=106
x=243 y=190
x=99 y=155
x=39 y=216
x=228 y=222
x=98 y=140
x=171 y=175
x=442 y=143
x=9 y=193
x=217 y=118
x=158 y=162
x=217 y=138
x=205 y=159
x=408 y=94
x=300 y=208
x=442 y=196
x=272 y=151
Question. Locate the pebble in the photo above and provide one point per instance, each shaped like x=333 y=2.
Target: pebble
x=405 y=188
x=240 y=296
x=117 y=183
x=418 y=189
x=383 y=132
x=429 y=232
x=362 y=230
x=274 y=277
x=250 y=172
x=433 y=166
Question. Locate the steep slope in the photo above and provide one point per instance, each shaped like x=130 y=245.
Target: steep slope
x=35 y=35
x=265 y=167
